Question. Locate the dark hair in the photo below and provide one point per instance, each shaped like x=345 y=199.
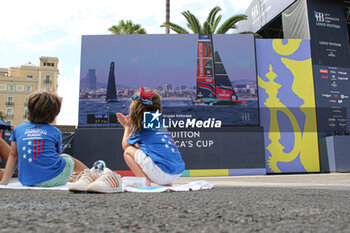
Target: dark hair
x=43 y=107
x=137 y=108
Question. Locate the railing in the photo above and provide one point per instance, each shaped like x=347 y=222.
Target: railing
x=10 y=103
x=25 y=103
x=47 y=81
x=25 y=115
x=4 y=74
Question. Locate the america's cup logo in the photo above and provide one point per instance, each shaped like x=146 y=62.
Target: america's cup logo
x=319 y=16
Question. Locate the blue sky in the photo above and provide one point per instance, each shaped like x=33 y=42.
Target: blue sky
x=30 y=29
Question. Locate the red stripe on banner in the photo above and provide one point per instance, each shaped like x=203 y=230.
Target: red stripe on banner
x=125 y=173
x=38 y=150
x=34 y=152
x=42 y=145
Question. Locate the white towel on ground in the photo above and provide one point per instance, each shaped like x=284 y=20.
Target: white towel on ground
x=19 y=186
x=192 y=186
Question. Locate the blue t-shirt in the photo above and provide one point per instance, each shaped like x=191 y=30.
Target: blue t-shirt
x=160 y=147
x=38 y=146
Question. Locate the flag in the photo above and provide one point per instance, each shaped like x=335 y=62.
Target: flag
x=33 y=149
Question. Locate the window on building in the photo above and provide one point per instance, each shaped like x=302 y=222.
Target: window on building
x=47 y=79
x=26 y=101
x=2 y=87
x=9 y=113
x=9 y=102
x=29 y=89
x=52 y=64
x=29 y=76
x=11 y=88
x=19 y=88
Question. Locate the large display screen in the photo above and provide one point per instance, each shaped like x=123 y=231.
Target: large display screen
x=208 y=78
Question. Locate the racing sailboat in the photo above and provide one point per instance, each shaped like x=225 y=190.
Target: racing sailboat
x=111 y=95
x=213 y=84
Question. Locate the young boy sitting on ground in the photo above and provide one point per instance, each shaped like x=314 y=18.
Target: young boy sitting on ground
x=36 y=146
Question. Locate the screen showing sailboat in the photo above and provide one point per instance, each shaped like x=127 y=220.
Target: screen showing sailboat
x=197 y=76
x=111 y=95
x=213 y=84
x=205 y=68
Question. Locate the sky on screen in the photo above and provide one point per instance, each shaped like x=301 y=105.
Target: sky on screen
x=30 y=29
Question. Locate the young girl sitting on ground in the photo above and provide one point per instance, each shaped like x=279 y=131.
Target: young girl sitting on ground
x=36 y=146
x=149 y=152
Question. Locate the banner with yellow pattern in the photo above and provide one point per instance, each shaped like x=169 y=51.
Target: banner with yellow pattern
x=287 y=105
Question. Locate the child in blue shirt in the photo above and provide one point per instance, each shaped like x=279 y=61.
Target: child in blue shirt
x=36 y=146
x=149 y=152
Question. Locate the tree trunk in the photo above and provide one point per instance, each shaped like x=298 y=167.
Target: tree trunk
x=167 y=15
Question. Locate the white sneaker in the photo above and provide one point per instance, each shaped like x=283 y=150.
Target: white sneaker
x=84 y=179
x=108 y=182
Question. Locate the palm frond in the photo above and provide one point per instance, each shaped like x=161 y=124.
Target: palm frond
x=127 y=27
x=192 y=22
x=197 y=25
x=230 y=23
x=122 y=26
x=216 y=23
x=141 y=31
x=188 y=18
x=116 y=29
x=212 y=15
x=207 y=28
x=122 y=23
x=176 y=28
x=133 y=28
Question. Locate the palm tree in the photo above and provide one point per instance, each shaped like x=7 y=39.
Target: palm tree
x=127 y=27
x=210 y=26
x=2 y=117
x=167 y=15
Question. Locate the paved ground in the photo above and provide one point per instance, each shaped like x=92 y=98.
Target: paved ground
x=337 y=181
x=278 y=203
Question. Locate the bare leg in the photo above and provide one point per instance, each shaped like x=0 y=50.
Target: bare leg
x=129 y=157
x=78 y=167
x=4 y=153
x=4 y=149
